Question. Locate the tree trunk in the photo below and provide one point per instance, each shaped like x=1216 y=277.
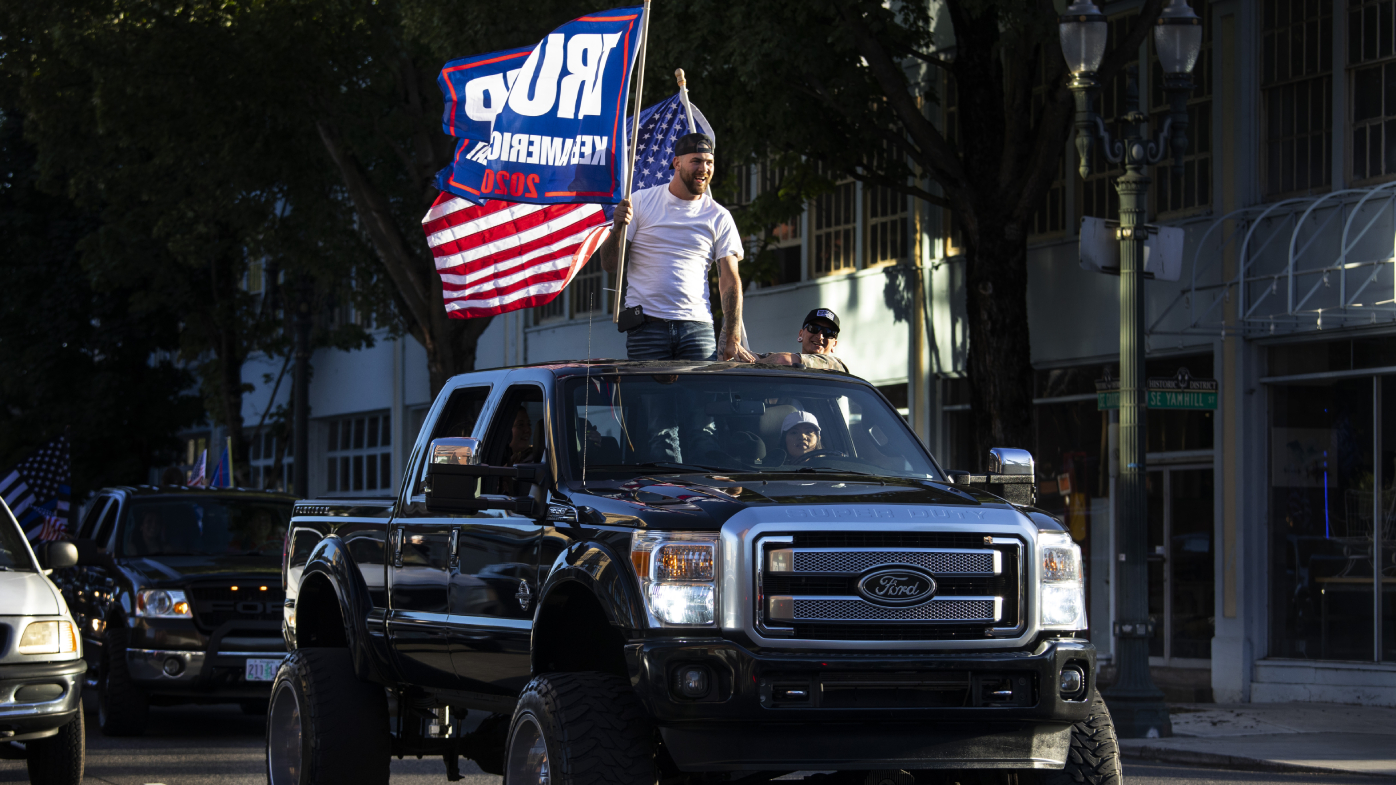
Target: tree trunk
x=450 y=343
x=1000 y=352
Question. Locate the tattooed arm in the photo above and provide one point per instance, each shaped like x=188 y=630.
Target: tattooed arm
x=730 y=284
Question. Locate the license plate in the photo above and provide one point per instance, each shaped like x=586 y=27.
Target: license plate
x=262 y=670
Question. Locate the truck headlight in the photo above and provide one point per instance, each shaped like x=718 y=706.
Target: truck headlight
x=678 y=575
x=162 y=604
x=49 y=637
x=1063 y=595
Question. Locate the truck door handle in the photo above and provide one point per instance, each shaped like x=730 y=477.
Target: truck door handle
x=453 y=562
x=397 y=548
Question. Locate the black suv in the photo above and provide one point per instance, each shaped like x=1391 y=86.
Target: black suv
x=178 y=595
x=623 y=572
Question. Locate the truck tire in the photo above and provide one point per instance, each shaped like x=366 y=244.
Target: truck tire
x=1094 y=756
x=59 y=759
x=326 y=726
x=122 y=708
x=580 y=729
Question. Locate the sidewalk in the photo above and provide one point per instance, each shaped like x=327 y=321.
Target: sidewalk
x=1314 y=737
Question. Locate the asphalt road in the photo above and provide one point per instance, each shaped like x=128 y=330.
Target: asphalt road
x=218 y=745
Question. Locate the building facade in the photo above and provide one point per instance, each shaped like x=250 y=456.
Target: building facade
x=1273 y=516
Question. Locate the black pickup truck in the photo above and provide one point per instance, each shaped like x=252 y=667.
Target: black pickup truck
x=177 y=597
x=631 y=572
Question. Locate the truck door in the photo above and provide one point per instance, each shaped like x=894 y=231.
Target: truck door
x=77 y=582
x=495 y=566
x=420 y=543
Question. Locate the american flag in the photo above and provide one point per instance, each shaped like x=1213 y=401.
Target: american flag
x=37 y=491
x=503 y=256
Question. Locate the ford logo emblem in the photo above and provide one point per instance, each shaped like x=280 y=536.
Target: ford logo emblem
x=897 y=587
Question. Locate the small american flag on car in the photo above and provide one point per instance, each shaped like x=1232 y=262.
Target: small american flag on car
x=503 y=256
x=37 y=491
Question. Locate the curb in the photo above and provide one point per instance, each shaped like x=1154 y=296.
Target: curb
x=1215 y=760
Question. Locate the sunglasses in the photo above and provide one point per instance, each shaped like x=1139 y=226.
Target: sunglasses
x=819 y=329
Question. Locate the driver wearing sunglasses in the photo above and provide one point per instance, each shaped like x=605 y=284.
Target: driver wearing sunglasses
x=818 y=337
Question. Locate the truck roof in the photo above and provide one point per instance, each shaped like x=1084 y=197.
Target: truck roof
x=568 y=368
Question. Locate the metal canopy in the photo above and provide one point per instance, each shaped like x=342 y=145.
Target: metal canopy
x=1305 y=264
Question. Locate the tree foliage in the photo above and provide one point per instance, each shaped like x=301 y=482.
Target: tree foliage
x=75 y=358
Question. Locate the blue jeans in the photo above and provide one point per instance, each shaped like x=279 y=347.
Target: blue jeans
x=676 y=340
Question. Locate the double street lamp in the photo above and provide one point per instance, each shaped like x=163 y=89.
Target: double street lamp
x=1135 y=703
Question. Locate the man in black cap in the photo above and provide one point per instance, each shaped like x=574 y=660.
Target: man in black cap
x=675 y=232
x=818 y=337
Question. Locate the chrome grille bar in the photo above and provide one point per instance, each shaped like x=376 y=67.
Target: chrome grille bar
x=947 y=610
x=851 y=561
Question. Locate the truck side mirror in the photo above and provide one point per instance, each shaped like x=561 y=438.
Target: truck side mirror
x=57 y=555
x=1007 y=460
x=453 y=473
x=1010 y=476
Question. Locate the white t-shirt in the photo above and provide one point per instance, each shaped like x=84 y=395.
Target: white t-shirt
x=672 y=243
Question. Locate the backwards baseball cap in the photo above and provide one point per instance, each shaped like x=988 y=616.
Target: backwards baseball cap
x=824 y=316
x=798 y=418
x=694 y=143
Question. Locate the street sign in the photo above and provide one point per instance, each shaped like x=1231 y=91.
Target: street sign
x=1163 y=250
x=1180 y=391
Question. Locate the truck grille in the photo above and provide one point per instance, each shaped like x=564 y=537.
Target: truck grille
x=807 y=585
x=217 y=604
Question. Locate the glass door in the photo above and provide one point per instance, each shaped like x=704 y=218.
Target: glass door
x=1182 y=577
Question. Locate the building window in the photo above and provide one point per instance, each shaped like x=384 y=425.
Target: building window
x=1193 y=188
x=270 y=461
x=358 y=454
x=1332 y=500
x=256 y=274
x=1099 y=199
x=835 y=222
x=887 y=224
x=782 y=244
x=1372 y=75
x=1297 y=93
x=588 y=289
x=551 y=311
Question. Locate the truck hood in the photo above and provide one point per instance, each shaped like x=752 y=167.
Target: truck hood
x=174 y=570
x=28 y=594
x=694 y=500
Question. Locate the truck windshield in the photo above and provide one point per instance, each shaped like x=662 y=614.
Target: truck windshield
x=12 y=552
x=203 y=527
x=736 y=423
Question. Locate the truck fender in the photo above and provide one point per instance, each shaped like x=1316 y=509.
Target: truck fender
x=330 y=564
x=606 y=575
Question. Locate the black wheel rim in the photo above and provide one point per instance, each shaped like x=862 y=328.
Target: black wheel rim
x=528 y=762
x=284 y=738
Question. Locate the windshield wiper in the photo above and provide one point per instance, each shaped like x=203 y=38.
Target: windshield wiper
x=831 y=470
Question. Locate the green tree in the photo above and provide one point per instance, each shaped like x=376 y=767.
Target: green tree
x=75 y=358
x=842 y=88
x=163 y=121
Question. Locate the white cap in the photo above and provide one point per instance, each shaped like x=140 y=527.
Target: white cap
x=796 y=418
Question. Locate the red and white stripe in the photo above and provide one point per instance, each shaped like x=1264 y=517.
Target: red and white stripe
x=504 y=256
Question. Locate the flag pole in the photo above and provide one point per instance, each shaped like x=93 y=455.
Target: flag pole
x=683 y=95
x=230 y=461
x=630 y=155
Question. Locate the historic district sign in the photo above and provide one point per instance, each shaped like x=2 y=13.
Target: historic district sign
x=1180 y=391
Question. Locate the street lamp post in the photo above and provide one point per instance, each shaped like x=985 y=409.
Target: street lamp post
x=1135 y=703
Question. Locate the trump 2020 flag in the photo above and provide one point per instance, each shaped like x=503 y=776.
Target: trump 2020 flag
x=559 y=137
x=475 y=89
